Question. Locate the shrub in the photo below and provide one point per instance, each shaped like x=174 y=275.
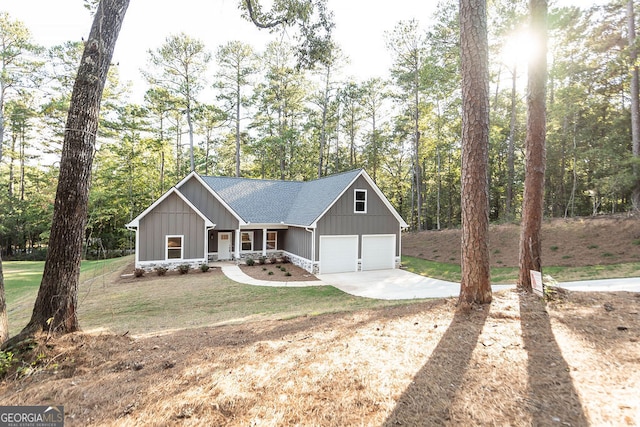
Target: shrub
x=270 y=273
x=161 y=271
x=184 y=268
x=287 y=274
x=204 y=267
x=262 y=260
x=139 y=272
x=274 y=259
x=282 y=268
x=250 y=262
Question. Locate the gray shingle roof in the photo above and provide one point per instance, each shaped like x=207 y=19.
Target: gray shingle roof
x=274 y=202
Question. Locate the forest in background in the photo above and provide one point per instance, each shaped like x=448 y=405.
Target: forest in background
x=235 y=111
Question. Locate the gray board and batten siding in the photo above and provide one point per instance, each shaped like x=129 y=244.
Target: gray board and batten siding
x=341 y=219
x=172 y=216
x=209 y=205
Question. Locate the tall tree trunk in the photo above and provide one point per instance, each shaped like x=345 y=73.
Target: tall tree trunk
x=55 y=308
x=238 y=125
x=533 y=198
x=4 y=323
x=511 y=148
x=475 y=286
x=635 y=108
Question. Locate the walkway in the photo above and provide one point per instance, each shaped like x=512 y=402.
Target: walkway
x=398 y=284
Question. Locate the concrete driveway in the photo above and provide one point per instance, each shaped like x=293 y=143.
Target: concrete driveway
x=393 y=284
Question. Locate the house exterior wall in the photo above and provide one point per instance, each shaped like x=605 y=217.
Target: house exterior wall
x=340 y=219
x=297 y=241
x=209 y=205
x=171 y=217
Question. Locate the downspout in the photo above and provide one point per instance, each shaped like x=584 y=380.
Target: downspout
x=313 y=244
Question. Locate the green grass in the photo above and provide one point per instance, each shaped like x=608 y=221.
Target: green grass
x=155 y=303
x=505 y=275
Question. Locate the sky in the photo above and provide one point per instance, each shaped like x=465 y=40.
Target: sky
x=360 y=27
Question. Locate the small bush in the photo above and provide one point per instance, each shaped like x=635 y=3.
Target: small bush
x=274 y=260
x=250 y=262
x=264 y=268
x=204 y=268
x=554 y=248
x=184 y=268
x=287 y=274
x=270 y=273
x=262 y=260
x=282 y=268
x=285 y=259
x=161 y=271
x=139 y=272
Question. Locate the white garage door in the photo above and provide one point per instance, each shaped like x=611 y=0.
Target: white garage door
x=338 y=254
x=378 y=251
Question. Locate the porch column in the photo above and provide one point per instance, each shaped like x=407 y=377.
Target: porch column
x=238 y=245
x=264 y=242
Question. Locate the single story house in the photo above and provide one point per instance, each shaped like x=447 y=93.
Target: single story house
x=338 y=223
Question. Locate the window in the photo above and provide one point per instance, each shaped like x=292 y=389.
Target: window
x=174 y=247
x=246 y=238
x=272 y=240
x=360 y=201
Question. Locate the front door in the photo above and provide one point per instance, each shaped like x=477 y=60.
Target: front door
x=224 y=245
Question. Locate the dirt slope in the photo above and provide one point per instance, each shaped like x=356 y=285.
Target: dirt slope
x=572 y=242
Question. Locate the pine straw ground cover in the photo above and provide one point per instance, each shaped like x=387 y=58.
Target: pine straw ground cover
x=574 y=362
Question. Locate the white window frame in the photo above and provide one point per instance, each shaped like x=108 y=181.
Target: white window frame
x=250 y=234
x=274 y=240
x=167 y=248
x=356 y=201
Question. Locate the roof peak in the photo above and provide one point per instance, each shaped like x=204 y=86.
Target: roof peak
x=352 y=171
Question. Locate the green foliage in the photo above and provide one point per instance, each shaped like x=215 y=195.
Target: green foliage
x=139 y=272
x=184 y=268
x=160 y=271
x=204 y=267
x=6 y=361
x=250 y=262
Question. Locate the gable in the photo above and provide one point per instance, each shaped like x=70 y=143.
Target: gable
x=172 y=192
x=377 y=204
x=211 y=206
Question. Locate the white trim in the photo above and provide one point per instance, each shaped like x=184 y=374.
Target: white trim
x=229 y=253
x=251 y=240
x=214 y=194
x=356 y=201
x=136 y=221
x=166 y=247
x=378 y=192
x=266 y=239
